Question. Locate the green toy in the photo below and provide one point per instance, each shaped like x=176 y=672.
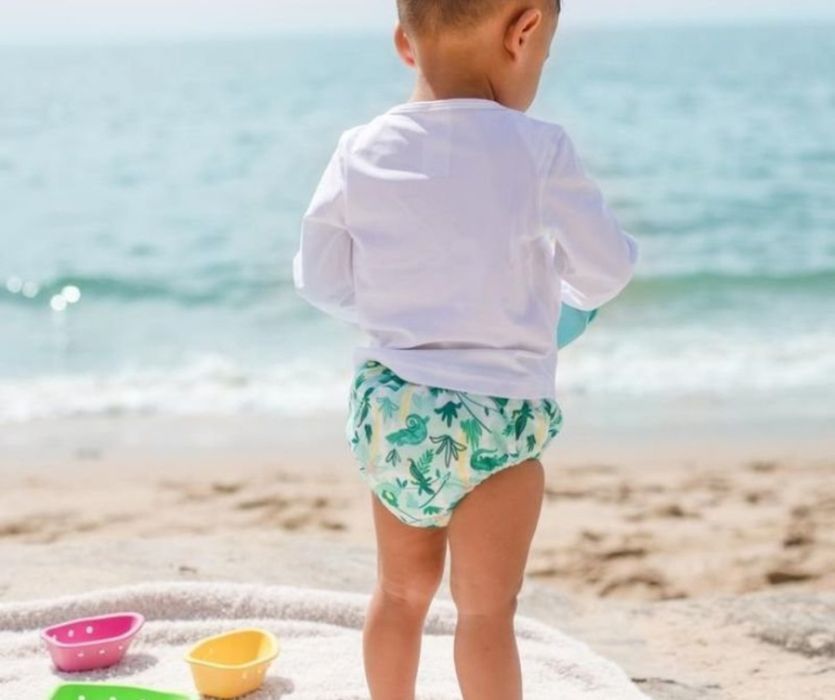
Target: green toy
x=103 y=691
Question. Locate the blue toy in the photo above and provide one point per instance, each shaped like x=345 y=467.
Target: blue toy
x=573 y=323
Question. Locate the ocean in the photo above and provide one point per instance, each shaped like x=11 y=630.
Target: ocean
x=150 y=199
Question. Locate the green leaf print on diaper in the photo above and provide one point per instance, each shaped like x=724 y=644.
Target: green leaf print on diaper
x=413 y=434
x=449 y=446
x=389 y=497
x=521 y=417
x=364 y=405
x=393 y=457
x=360 y=378
x=472 y=429
x=418 y=471
x=500 y=403
x=389 y=377
x=485 y=461
x=387 y=407
x=550 y=408
x=448 y=412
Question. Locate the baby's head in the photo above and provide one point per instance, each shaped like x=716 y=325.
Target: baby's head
x=477 y=48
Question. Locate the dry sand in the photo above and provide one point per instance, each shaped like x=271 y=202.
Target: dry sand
x=706 y=577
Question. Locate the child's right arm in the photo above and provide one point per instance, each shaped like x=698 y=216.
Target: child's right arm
x=596 y=256
x=323 y=272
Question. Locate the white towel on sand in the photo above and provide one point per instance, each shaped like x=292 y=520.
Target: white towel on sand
x=320 y=633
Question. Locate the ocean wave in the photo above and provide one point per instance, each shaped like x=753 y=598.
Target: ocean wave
x=211 y=385
x=236 y=291
x=603 y=365
x=698 y=281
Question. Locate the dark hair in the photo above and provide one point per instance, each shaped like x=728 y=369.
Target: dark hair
x=422 y=15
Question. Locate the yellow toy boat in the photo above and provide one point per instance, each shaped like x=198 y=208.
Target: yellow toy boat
x=232 y=664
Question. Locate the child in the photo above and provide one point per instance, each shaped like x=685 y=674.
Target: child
x=450 y=229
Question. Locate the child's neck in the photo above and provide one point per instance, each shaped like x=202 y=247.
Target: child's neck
x=425 y=91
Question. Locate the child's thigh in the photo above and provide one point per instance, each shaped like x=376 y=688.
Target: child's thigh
x=490 y=534
x=410 y=559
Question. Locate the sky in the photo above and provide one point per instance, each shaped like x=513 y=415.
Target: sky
x=48 y=21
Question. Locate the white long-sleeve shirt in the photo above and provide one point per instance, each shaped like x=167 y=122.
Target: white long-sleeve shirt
x=450 y=231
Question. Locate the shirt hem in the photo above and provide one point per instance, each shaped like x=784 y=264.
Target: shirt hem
x=428 y=377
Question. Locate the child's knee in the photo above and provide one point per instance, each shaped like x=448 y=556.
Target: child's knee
x=417 y=592
x=496 y=599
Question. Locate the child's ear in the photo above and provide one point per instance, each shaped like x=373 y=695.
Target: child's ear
x=520 y=31
x=404 y=46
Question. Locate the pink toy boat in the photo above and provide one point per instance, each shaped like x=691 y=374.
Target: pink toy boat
x=91 y=642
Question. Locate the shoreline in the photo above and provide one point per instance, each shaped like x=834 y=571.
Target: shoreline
x=620 y=519
x=692 y=430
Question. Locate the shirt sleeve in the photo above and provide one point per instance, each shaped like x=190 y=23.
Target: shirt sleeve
x=595 y=256
x=322 y=266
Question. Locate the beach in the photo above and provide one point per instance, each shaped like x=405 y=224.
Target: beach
x=674 y=568
x=171 y=410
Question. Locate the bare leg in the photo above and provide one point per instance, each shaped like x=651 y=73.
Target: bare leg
x=410 y=566
x=489 y=539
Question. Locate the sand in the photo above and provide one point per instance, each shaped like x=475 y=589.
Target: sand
x=669 y=558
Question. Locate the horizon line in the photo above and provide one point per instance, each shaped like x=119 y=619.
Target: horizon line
x=179 y=37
